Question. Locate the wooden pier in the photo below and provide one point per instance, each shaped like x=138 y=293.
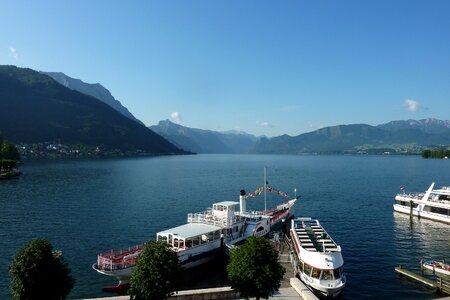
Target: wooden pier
x=441 y=284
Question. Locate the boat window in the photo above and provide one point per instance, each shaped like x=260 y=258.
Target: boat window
x=195 y=241
x=326 y=275
x=188 y=243
x=438 y=210
x=337 y=273
x=217 y=234
x=210 y=236
x=175 y=242
x=162 y=238
x=181 y=244
x=307 y=270
x=315 y=273
x=235 y=229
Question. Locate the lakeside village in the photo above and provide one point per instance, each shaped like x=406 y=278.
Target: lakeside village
x=59 y=150
x=11 y=154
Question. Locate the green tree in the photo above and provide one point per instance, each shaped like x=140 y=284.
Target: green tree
x=426 y=153
x=9 y=151
x=39 y=273
x=156 y=274
x=254 y=269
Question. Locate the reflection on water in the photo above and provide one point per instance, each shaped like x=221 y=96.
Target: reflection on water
x=421 y=237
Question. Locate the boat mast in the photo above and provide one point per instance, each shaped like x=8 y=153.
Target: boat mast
x=265 y=188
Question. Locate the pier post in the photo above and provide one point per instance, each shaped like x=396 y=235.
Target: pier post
x=410 y=210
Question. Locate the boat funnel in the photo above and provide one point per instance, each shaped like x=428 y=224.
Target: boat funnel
x=242 y=201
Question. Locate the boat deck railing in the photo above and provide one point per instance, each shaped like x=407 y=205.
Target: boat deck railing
x=119 y=259
x=417 y=198
x=207 y=217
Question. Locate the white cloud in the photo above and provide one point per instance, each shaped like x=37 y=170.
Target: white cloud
x=264 y=124
x=176 y=117
x=414 y=105
x=13 y=52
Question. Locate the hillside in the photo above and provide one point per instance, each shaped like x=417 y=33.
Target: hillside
x=205 y=141
x=95 y=90
x=355 y=138
x=35 y=108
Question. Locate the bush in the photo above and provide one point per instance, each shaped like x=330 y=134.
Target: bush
x=254 y=270
x=156 y=274
x=39 y=273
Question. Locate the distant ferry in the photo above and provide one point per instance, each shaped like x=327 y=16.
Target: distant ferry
x=434 y=204
x=319 y=261
x=196 y=242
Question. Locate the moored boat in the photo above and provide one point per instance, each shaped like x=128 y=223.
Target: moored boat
x=196 y=242
x=318 y=259
x=438 y=267
x=434 y=204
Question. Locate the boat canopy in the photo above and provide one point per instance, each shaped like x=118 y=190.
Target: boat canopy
x=189 y=230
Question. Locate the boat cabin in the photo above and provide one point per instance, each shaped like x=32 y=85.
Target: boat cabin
x=190 y=235
x=225 y=209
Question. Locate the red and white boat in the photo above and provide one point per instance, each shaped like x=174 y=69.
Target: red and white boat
x=196 y=242
x=439 y=267
x=318 y=259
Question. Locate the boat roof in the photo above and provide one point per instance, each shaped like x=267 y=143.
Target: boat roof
x=227 y=203
x=190 y=230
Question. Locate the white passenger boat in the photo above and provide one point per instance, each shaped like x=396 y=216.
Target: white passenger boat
x=318 y=259
x=438 y=267
x=434 y=204
x=196 y=242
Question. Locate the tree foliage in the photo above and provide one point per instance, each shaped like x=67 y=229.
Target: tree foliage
x=9 y=151
x=39 y=273
x=436 y=153
x=156 y=274
x=254 y=269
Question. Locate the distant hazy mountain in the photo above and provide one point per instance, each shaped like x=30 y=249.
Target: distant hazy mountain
x=35 y=108
x=351 y=139
x=95 y=90
x=430 y=125
x=205 y=141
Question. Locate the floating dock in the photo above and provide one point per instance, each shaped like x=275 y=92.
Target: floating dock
x=441 y=285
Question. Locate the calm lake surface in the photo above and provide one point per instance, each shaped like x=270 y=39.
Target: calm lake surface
x=85 y=207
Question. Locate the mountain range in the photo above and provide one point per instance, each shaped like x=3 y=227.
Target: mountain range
x=35 y=108
x=40 y=107
x=205 y=141
x=410 y=136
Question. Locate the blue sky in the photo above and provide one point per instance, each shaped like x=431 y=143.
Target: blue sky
x=265 y=67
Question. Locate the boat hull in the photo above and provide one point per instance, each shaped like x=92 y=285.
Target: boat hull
x=437 y=267
x=422 y=214
x=328 y=292
x=123 y=275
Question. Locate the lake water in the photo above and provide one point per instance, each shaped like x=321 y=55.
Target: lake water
x=84 y=207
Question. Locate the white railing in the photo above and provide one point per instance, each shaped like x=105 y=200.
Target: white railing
x=210 y=219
